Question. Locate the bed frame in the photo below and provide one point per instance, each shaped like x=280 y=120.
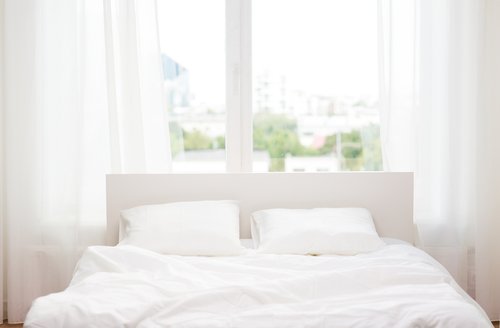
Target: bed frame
x=388 y=195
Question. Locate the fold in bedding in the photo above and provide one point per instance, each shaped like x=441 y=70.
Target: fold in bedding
x=396 y=286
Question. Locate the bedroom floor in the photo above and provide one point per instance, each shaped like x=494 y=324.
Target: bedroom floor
x=5 y=324
x=20 y=325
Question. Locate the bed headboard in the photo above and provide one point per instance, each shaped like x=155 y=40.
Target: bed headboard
x=388 y=195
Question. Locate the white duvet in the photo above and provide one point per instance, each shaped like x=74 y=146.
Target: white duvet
x=396 y=286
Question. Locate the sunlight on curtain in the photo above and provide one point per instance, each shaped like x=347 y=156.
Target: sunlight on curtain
x=83 y=97
x=433 y=114
x=137 y=104
x=488 y=177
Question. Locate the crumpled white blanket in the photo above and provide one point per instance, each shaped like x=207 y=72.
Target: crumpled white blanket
x=396 y=286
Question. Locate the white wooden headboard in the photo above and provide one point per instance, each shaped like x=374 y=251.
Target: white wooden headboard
x=388 y=195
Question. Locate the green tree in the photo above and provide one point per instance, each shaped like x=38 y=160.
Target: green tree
x=352 y=151
x=281 y=143
x=372 y=154
x=196 y=140
x=329 y=146
x=176 y=138
x=361 y=149
x=278 y=135
x=220 y=142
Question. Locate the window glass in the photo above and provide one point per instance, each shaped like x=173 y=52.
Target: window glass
x=192 y=36
x=315 y=85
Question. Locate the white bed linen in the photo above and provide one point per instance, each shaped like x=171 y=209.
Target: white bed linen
x=396 y=286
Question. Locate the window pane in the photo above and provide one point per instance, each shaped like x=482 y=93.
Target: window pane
x=315 y=88
x=193 y=56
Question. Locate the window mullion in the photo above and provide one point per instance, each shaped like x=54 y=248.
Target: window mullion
x=238 y=86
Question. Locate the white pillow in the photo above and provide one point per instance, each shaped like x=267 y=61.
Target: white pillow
x=208 y=228
x=345 y=231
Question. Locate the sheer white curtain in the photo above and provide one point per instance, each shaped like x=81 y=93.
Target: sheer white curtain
x=440 y=117
x=2 y=255
x=82 y=97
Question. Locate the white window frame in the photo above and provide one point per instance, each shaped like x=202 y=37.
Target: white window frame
x=238 y=65
x=238 y=87
x=239 y=119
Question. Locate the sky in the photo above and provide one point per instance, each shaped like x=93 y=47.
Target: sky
x=326 y=47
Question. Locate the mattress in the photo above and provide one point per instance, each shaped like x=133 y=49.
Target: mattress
x=396 y=286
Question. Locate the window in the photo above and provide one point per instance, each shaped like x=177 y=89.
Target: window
x=271 y=85
x=192 y=41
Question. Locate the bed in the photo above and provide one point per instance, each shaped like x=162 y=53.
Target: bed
x=395 y=285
